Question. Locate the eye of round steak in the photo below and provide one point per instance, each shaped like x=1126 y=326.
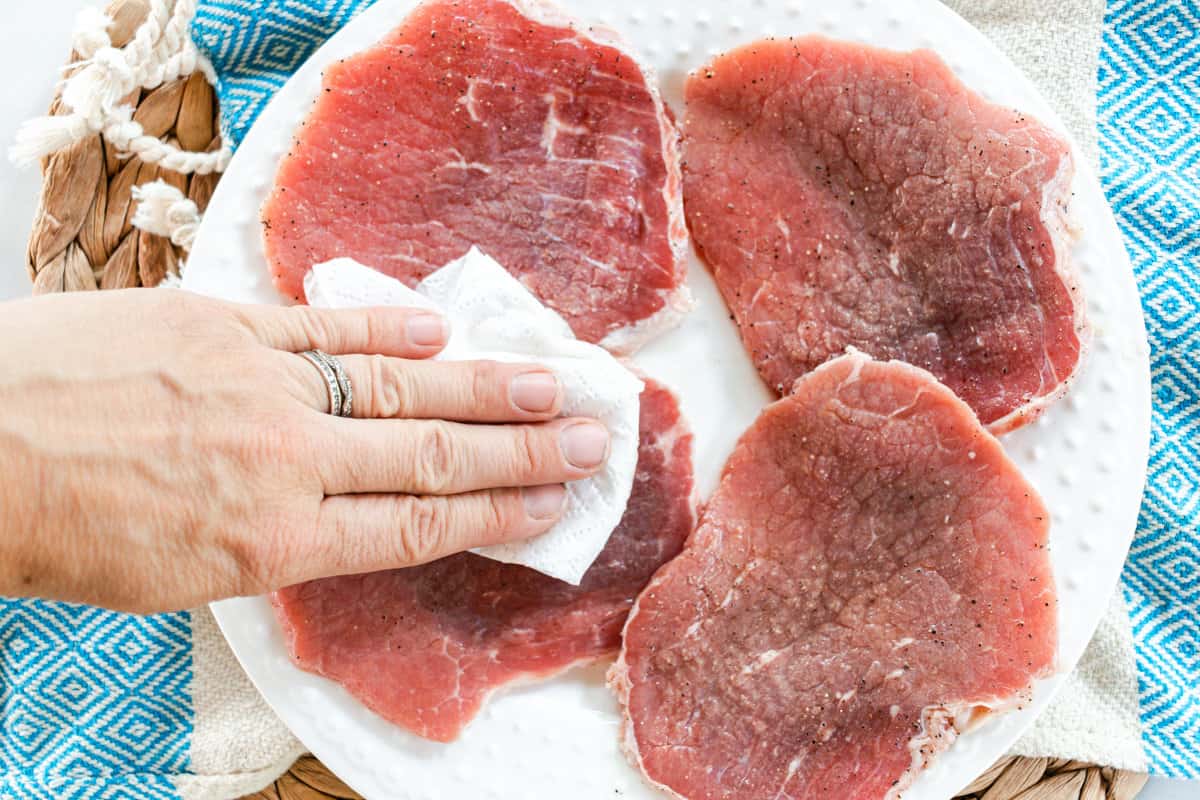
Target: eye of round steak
x=870 y=575
x=425 y=646
x=503 y=125
x=845 y=195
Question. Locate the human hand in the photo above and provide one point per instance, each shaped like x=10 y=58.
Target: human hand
x=160 y=449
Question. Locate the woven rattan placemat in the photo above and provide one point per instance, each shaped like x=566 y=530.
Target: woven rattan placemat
x=1009 y=779
x=82 y=240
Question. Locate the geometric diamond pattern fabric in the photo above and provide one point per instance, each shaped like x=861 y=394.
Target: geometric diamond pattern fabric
x=1149 y=126
x=255 y=47
x=93 y=704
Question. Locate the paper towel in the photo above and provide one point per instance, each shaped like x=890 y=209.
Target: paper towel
x=493 y=316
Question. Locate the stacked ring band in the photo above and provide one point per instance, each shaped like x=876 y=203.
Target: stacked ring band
x=335 y=379
x=343 y=380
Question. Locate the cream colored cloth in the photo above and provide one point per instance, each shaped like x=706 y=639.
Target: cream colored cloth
x=238 y=744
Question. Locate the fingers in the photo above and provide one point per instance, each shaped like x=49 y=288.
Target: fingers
x=375 y=532
x=434 y=457
x=468 y=391
x=402 y=332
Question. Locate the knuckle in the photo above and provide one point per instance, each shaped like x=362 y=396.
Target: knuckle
x=496 y=513
x=269 y=435
x=178 y=304
x=374 y=326
x=183 y=313
x=532 y=454
x=315 y=327
x=437 y=459
x=485 y=384
x=250 y=326
x=425 y=528
x=389 y=390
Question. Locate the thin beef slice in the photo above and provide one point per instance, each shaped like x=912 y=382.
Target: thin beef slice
x=870 y=574
x=845 y=195
x=497 y=124
x=424 y=647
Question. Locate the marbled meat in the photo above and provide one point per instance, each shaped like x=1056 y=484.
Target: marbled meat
x=502 y=125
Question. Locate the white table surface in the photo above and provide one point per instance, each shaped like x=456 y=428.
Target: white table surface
x=33 y=45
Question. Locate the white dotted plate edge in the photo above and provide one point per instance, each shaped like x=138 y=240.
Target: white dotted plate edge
x=1087 y=455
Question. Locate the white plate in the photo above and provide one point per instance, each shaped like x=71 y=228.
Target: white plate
x=558 y=738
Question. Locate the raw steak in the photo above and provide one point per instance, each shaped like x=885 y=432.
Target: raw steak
x=870 y=574
x=847 y=195
x=425 y=646
x=496 y=124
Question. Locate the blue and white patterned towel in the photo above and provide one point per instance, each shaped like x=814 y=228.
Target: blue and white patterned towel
x=1148 y=116
x=95 y=704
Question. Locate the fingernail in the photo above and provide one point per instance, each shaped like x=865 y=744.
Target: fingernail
x=427 y=330
x=544 y=502
x=534 y=391
x=585 y=444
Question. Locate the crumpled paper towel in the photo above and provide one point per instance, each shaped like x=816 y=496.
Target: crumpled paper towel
x=494 y=317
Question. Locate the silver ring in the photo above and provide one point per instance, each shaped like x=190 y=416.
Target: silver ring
x=343 y=379
x=332 y=387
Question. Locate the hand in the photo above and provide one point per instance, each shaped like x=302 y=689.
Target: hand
x=159 y=449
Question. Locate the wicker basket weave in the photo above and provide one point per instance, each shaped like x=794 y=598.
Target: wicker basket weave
x=82 y=235
x=82 y=239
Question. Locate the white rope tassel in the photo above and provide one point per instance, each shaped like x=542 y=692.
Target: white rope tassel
x=163 y=210
x=160 y=50
x=45 y=135
x=91 y=31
